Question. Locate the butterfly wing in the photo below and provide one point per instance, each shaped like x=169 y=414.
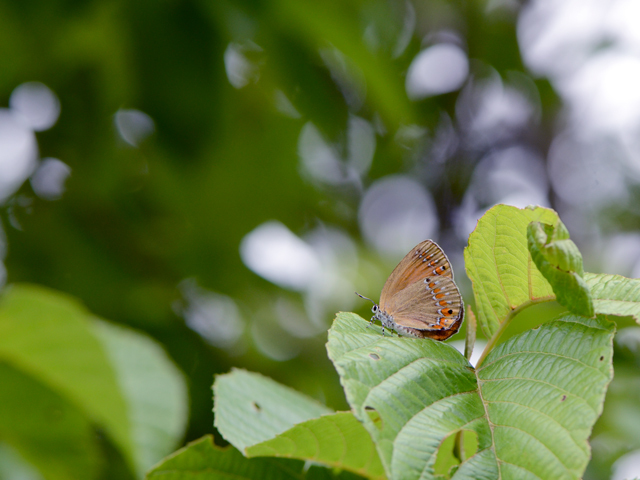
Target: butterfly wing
x=434 y=334
x=432 y=305
x=425 y=260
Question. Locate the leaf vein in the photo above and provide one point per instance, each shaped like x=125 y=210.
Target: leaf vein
x=535 y=380
x=532 y=352
x=519 y=467
x=553 y=454
x=543 y=414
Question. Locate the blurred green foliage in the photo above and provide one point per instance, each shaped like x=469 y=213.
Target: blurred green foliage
x=135 y=222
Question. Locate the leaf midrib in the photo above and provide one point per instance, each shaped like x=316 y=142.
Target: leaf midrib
x=491 y=425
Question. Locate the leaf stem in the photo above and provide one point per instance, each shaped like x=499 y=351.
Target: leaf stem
x=472 y=326
x=503 y=326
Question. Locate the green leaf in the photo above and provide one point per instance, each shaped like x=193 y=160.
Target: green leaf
x=202 y=460
x=154 y=390
x=337 y=440
x=250 y=408
x=560 y=261
x=532 y=404
x=544 y=390
x=614 y=294
x=116 y=378
x=47 y=336
x=500 y=267
x=261 y=417
x=45 y=429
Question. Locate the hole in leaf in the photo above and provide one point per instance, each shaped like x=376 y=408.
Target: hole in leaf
x=446 y=461
x=374 y=416
x=601 y=358
x=256 y=407
x=375 y=356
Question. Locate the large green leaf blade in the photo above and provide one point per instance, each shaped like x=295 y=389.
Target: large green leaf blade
x=250 y=408
x=544 y=390
x=499 y=265
x=261 y=417
x=536 y=395
x=47 y=335
x=337 y=440
x=400 y=387
x=153 y=387
x=615 y=294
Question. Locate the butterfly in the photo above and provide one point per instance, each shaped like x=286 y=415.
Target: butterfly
x=420 y=298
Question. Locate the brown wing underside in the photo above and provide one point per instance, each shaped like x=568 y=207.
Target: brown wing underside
x=435 y=334
x=433 y=303
x=425 y=260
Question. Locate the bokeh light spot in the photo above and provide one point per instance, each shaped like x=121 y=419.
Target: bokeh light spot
x=397 y=213
x=276 y=254
x=133 y=126
x=38 y=106
x=214 y=316
x=18 y=152
x=49 y=179
x=439 y=69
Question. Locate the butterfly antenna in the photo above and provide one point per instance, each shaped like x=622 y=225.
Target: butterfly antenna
x=362 y=296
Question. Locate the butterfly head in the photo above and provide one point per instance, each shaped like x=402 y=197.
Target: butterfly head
x=377 y=312
x=382 y=316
